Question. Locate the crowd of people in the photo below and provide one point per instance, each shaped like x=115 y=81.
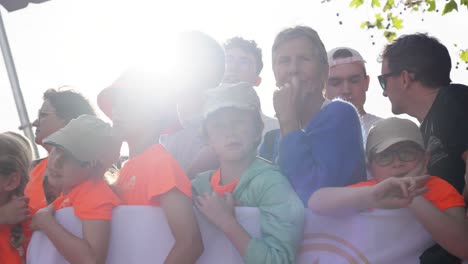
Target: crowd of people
x=201 y=142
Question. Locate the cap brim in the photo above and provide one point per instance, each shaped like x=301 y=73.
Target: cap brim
x=387 y=143
x=59 y=139
x=222 y=106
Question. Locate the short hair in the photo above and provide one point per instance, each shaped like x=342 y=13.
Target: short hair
x=248 y=46
x=421 y=54
x=303 y=32
x=345 y=53
x=68 y=103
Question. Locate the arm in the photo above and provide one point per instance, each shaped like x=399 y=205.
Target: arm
x=328 y=154
x=91 y=249
x=449 y=228
x=391 y=193
x=188 y=244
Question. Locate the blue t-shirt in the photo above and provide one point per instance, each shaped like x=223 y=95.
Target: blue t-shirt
x=327 y=153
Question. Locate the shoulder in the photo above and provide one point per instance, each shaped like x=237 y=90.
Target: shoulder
x=268 y=176
x=340 y=110
x=94 y=192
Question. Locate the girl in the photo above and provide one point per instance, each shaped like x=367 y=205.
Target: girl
x=81 y=153
x=14 y=165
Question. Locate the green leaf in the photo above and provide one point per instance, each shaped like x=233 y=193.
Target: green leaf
x=464 y=2
x=375 y=3
x=378 y=21
x=464 y=55
x=397 y=23
x=365 y=24
x=389 y=5
x=356 y=3
x=390 y=35
x=449 y=7
x=432 y=5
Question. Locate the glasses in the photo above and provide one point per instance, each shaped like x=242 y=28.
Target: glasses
x=43 y=114
x=405 y=154
x=383 y=79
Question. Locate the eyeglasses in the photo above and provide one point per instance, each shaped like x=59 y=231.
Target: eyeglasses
x=383 y=79
x=404 y=154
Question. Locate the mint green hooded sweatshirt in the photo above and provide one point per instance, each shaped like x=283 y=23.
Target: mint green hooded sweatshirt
x=281 y=211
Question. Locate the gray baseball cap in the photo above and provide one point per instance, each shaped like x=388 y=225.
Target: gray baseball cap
x=239 y=95
x=87 y=138
x=390 y=131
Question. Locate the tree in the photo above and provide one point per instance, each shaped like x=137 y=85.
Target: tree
x=389 y=23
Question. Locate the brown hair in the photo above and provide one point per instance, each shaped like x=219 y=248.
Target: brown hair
x=68 y=103
x=14 y=158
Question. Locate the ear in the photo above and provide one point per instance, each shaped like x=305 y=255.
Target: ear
x=258 y=81
x=367 y=82
x=406 y=79
x=12 y=182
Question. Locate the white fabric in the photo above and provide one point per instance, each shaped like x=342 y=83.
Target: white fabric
x=380 y=236
x=140 y=234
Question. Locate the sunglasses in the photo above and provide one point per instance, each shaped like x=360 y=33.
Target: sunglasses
x=383 y=79
x=405 y=154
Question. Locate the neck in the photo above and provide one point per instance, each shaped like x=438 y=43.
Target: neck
x=142 y=141
x=422 y=103
x=311 y=106
x=361 y=111
x=232 y=170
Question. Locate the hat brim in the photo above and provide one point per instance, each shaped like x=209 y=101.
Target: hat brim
x=387 y=143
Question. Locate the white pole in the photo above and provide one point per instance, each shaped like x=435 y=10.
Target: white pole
x=26 y=125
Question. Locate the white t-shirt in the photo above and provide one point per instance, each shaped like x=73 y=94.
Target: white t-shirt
x=367 y=121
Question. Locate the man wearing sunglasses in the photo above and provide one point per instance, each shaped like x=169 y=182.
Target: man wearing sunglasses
x=349 y=81
x=416 y=79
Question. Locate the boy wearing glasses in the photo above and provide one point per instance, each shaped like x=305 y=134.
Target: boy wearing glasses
x=396 y=159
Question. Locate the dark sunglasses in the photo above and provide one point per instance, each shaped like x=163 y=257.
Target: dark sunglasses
x=383 y=79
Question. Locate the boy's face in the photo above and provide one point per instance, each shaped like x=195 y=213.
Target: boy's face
x=64 y=171
x=396 y=161
x=232 y=133
x=241 y=66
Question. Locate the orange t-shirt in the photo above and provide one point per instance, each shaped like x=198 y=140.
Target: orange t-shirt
x=221 y=189
x=440 y=193
x=35 y=188
x=9 y=254
x=91 y=200
x=150 y=174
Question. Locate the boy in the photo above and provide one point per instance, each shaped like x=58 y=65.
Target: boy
x=137 y=105
x=81 y=153
x=233 y=127
x=396 y=155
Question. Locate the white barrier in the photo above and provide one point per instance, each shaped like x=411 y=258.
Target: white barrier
x=140 y=234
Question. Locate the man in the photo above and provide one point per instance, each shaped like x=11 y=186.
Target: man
x=244 y=64
x=416 y=79
x=200 y=66
x=349 y=81
x=321 y=141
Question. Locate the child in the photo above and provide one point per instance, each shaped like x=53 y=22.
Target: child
x=14 y=164
x=151 y=176
x=82 y=152
x=396 y=156
x=233 y=127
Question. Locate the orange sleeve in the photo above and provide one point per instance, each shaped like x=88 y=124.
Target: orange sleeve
x=442 y=194
x=35 y=188
x=370 y=182
x=166 y=174
x=96 y=203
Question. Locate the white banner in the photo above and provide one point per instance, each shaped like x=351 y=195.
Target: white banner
x=140 y=234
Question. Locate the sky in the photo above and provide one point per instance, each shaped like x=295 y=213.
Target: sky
x=88 y=43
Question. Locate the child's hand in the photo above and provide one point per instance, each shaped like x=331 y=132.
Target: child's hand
x=43 y=216
x=219 y=210
x=394 y=193
x=15 y=211
x=420 y=169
